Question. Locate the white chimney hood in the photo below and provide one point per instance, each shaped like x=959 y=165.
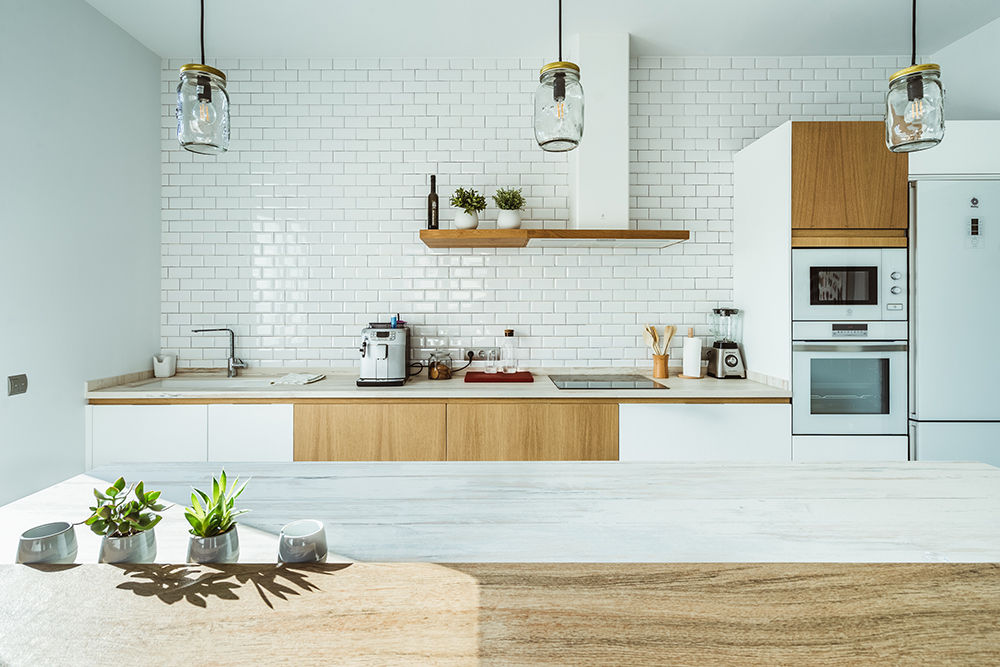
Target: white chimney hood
x=599 y=167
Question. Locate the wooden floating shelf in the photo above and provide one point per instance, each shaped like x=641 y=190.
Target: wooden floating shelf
x=552 y=238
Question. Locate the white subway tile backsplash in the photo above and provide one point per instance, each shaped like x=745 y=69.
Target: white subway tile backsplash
x=307 y=228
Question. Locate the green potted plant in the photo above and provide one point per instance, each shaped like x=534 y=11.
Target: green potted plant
x=510 y=201
x=467 y=205
x=125 y=516
x=213 y=523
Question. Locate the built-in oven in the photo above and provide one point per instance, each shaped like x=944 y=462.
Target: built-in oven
x=849 y=378
x=836 y=284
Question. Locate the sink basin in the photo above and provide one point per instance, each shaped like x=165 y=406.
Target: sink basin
x=206 y=384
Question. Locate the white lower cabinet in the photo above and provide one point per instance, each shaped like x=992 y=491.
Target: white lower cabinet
x=148 y=433
x=831 y=448
x=250 y=432
x=751 y=432
x=179 y=433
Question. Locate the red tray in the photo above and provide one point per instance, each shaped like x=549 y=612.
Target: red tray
x=479 y=376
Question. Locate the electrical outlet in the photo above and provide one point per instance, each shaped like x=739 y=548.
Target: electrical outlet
x=479 y=353
x=17 y=384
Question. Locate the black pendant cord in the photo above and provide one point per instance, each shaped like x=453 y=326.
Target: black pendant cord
x=560 y=28
x=913 y=36
x=203 y=31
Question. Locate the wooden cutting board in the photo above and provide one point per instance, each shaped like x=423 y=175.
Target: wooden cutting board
x=536 y=614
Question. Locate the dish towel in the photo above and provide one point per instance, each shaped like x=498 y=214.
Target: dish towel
x=298 y=378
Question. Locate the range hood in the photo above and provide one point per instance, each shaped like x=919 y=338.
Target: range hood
x=598 y=168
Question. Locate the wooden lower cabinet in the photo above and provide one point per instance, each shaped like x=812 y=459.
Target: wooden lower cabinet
x=370 y=432
x=533 y=431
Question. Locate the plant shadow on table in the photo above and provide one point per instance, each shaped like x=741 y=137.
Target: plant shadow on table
x=197 y=584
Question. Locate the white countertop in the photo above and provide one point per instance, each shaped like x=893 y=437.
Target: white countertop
x=575 y=512
x=340 y=384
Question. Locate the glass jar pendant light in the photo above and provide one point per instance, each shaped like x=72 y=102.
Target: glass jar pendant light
x=202 y=105
x=559 y=104
x=914 y=104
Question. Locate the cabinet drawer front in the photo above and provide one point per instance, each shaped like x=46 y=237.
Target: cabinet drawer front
x=149 y=433
x=533 y=432
x=370 y=432
x=703 y=433
x=249 y=432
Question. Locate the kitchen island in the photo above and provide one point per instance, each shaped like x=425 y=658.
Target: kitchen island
x=578 y=512
x=722 y=607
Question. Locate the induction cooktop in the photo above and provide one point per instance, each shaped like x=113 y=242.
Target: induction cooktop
x=605 y=382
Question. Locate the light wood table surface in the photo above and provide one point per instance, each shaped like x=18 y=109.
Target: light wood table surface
x=529 y=614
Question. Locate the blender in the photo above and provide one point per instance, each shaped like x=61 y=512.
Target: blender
x=725 y=360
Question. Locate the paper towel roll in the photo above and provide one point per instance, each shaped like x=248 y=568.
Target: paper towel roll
x=692 y=356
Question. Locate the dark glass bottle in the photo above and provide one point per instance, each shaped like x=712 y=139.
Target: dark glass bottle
x=432 y=205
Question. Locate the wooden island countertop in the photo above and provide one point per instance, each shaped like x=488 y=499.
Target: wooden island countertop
x=684 y=606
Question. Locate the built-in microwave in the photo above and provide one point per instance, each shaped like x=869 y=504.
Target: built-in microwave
x=837 y=284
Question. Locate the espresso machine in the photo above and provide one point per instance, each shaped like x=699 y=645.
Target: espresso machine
x=725 y=359
x=385 y=355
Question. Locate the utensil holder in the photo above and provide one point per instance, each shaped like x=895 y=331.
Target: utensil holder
x=164 y=365
x=660 y=365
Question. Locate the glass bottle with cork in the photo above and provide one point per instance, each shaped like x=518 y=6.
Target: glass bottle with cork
x=508 y=353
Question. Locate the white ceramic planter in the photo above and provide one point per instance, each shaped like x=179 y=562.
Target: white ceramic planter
x=465 y=220
x=139 y=548
x=223 y=548
x=509 y=220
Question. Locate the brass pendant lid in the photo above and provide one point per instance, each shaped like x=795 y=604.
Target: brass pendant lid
x=560 y=64
x=914 y=69
x=197 y=67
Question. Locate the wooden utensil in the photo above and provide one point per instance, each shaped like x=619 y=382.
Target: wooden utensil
x=668 y=335
x=647 y=335
x=656 y=340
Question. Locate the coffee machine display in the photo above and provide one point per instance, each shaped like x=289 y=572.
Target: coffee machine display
x=385 y=355
x=725 y=359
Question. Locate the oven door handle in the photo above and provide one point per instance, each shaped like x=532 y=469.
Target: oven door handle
x=849 y=347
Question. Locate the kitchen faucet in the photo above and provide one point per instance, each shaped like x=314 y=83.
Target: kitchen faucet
x=232 y=363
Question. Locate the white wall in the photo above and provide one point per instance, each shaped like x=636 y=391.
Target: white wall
x=79 y=226
x=969 y=75
x=307 y=228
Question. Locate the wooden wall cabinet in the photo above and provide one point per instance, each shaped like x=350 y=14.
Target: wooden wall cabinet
x=373 y=431
x=844 y=178
x=533 y=431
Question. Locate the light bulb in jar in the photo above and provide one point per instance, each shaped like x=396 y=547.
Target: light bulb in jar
x=915 y=106
x=559 y=94
x=205 y=114
x=914 y=111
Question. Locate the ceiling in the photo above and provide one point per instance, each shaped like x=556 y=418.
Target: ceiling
x=299 y=28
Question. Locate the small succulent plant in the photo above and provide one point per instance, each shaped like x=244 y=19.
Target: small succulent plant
x=214 y=515
x=469 y=200
x=509 y=199
x=115 y=515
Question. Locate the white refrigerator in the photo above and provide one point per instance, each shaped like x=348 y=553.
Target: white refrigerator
x=955 y=321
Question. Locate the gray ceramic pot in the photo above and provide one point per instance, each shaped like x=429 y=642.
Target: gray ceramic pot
x=223 y=548
x=139 y=548
x=302 y=541
x=53 y=543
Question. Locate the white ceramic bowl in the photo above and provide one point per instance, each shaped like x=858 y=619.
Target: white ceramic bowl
x=302 y=541
x=49 y=543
